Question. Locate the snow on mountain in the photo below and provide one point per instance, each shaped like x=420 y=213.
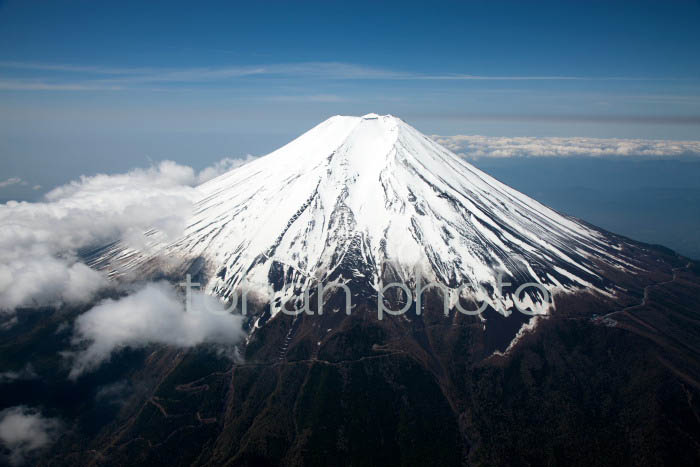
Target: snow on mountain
x=355 y=197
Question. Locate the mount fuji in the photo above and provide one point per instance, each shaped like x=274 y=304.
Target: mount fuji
x=601 y=367
x=372 y=200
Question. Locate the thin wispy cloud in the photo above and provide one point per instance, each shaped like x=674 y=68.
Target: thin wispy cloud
x=309 y=98
x=23 y=374
x=11 y=181
x=62 y=67
x=117 y=78
x=35 y=85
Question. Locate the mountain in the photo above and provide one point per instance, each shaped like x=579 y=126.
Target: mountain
x=594 y=361
x=370 y=200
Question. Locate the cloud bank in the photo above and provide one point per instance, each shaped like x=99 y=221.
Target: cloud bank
x=475 y=146
x=24 y=430
x=153 y=315
x=39 y=242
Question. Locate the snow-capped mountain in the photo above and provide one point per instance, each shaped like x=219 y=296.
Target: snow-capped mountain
x=370 y=199
x=366 y=201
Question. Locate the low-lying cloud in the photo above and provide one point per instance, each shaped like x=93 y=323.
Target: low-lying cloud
x=153 y=315
x=23 y=431
x=476 y=146
x=39 y=242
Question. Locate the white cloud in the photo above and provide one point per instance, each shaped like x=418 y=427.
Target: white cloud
x=221 y=167
x=34 y=85
x=475 y=146
x=24 y=430
x=39 y=241
x=153 y=315
x=10 y=182
x=328 y=98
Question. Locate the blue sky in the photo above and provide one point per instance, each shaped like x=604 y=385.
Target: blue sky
x=91 y=86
